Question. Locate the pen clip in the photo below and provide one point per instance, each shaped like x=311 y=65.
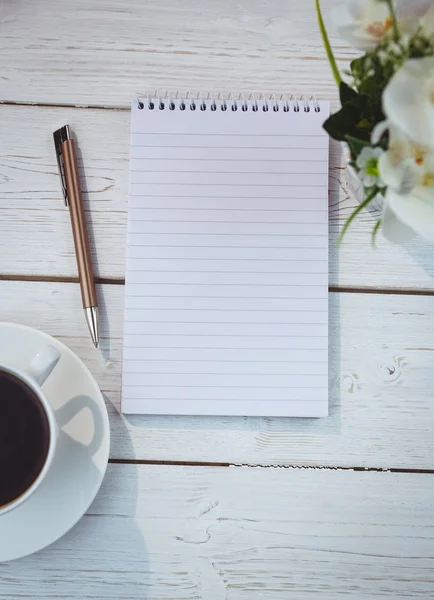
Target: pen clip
x=60 y=136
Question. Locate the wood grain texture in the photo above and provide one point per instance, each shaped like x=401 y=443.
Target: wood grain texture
x=381 y=382
x=165 y=533
x=118 y=49
x=35 y=228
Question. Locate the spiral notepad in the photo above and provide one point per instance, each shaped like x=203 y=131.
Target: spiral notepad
x=226 y=302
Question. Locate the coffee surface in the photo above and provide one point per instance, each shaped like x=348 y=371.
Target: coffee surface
x=24 y=437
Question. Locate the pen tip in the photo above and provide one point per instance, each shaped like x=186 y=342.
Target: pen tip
x=92 y=321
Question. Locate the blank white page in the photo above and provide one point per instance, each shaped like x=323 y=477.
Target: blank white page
x=226 y=299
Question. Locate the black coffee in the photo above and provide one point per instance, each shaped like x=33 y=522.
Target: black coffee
x=24 y=437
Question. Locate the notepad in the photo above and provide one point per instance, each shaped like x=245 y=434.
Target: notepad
x=226 y=296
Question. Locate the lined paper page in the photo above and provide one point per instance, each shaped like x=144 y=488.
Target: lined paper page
x=226 y=306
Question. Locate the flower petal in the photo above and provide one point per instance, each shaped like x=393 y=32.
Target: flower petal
x=410 y=178
x=349 y=19
x=393 y=229
x=356 y=184
x=356 y=8
x=389 y=172
x=348 y=13
x=406 y=9
x=428 y=22
x=363 y=157
x=358 y=38
x=378 y=131
x=415 y=210
x=407 y=100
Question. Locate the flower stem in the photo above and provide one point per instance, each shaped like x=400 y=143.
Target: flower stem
x=355 y=213
x=374 y=232
x=395 y=28
x=327 y=46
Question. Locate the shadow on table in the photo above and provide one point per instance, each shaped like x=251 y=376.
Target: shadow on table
x=422 y=252
x=104 y=345
x=332 y=424
x=105 y=337
x=103 y=556
x=84 y=166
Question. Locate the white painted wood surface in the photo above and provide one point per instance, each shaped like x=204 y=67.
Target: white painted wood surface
x=205 y=533
x=101 y=53
x=33 y=215
x=189 y=533
x=381 y=382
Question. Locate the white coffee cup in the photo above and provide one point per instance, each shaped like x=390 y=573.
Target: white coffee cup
x=34 y=377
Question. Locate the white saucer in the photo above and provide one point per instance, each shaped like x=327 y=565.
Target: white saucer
x=82 y=451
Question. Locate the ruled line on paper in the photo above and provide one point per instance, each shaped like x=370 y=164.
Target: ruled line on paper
x=242 y=387
x=189 y=233
x=216 y=335
x=223 y=198
x=162 y=344
x=251 y=356
x=266 y=185
x=302 y=285
x=199 y=360
x=231 y=221
x=228 y=135
x=248 y=260
x=189 y=171
x=246 y=211
x=144 y=245
x=223 y=322
x=276 y=148
x=131 y=309
x=242 y=160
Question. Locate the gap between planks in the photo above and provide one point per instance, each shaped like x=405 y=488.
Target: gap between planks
x=121 y=281
x=63 y=105
x=62 y=279
x=180 y=463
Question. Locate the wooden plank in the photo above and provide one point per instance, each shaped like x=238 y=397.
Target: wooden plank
x=35 y=229
x=381 y=382
x=119 y=49
x=219 y=534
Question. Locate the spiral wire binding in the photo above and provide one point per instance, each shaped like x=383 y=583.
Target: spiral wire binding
x=284 y=102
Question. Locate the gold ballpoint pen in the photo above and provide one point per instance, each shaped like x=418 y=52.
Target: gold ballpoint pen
x=68 y=170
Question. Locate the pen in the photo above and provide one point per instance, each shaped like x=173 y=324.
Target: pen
x=68 y=171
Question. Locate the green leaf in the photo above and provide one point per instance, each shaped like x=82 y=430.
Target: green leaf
x=356 y=145
x=344 y=123
x=337 y=126
x=346 y=93
x=364 y=124
x=354 y=118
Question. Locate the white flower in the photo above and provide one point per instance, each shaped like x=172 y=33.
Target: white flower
x=393 y=229
x=364 y=23
x=367 y=164
x=407 y=169
x=427 y=22
x=414 y=213
x=411 y=9
x=408 y=100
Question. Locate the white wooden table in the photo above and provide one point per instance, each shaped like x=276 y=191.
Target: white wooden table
x=214 y=508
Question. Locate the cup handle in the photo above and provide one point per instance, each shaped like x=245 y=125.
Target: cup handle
x=43 y=364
